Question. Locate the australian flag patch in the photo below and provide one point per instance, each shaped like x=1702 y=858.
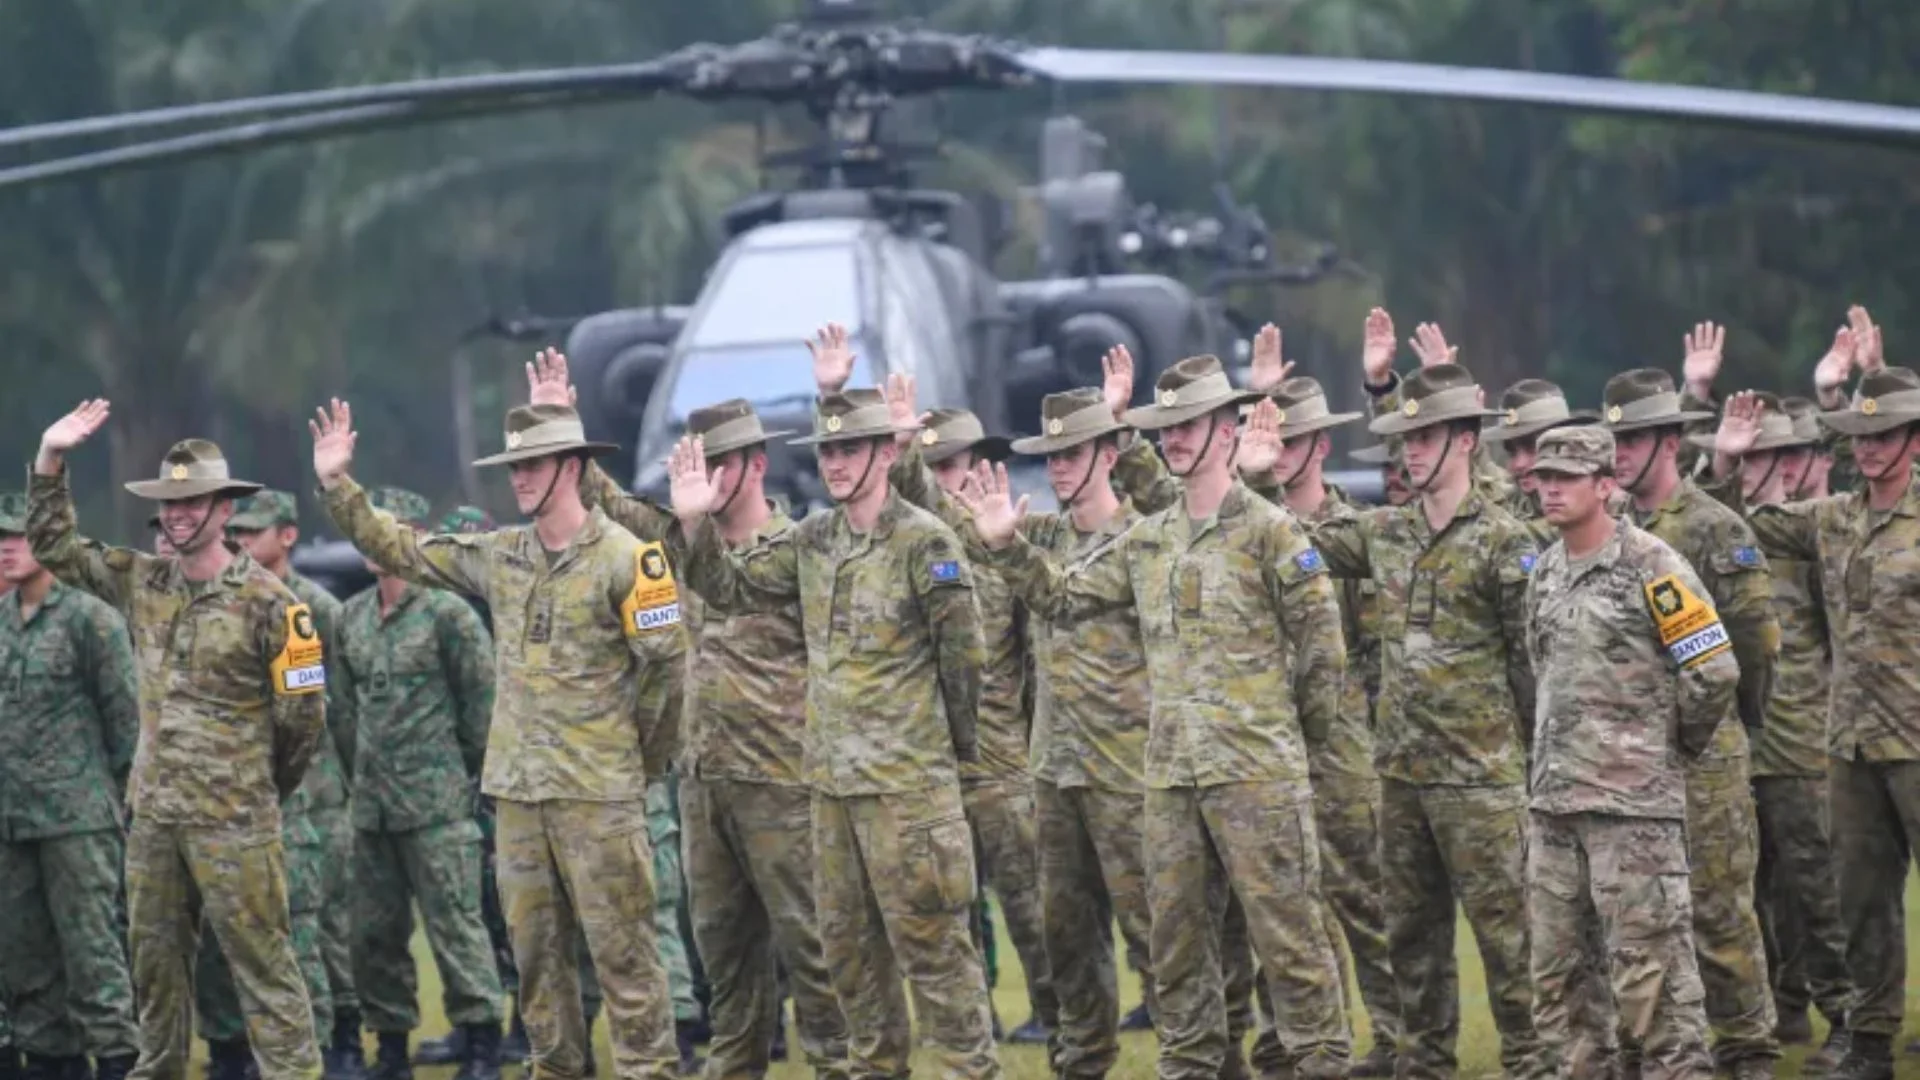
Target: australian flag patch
x=1310 y=560
x=1526 y=563
x=945 y=570
x=1746 y=556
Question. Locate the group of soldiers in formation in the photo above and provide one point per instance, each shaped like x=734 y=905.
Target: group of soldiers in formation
x=1639 y=694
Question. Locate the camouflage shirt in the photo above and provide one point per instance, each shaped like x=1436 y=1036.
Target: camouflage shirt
x=419 y=679
x=69 y=716
x=1245 y=657
x=1794 y=742
x=1635 y=671
x=893 y=641
x=575 y=633
x=325 y=787
x=1870 y=578
x=1455 y=683
x=1726 y=555
x=746 y=697
x=231 y=703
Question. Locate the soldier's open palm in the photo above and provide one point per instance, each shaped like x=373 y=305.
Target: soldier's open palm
x=1116 y=369
x=1377 y=347
x=1270 y=367
x=76 y=427
x=1259 y=449
x=1430 y=345
x=333 y=439
x=832 y=358
x=690 y=488
x=1833 y=370
x=547 y=382
x=1739 y=425
x=987 y=498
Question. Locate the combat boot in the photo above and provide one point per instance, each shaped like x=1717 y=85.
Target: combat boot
x=1754 y=1068
x=1031 y=1033
x=1377 y=1065
x=230 y=1059
x=778 y=1051
x=443 y=1051
x=113 y=1068
x=1793 y=1028
x=1868 y=1057
x=683 y=1042
x=345 y=1059
x=1823 y=1061
x=1140 y=1019
x=483 y=1053
x=515 y=1047
x=390 y=1061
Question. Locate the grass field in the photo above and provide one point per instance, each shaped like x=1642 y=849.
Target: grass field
x=1479 y=1048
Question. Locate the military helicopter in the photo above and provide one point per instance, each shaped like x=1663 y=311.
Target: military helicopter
x=855 y=241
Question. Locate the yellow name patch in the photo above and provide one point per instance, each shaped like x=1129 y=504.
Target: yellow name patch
x=1689 y=628
x=654 y=604
x=300 y=667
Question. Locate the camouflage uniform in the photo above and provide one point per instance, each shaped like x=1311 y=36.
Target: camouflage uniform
x=1722 y=832
x=417 y=679
x=1870 y=577
x=744 y=807
x=1245 y=661
x=893 y=651
x=578 y=634
x=69 y=718
x=207 y=779
x=670 y=895
x=1636 y=673
x=1455 y=687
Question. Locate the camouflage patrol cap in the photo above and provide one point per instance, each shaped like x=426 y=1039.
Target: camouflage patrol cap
x=729 y=426
x=537 y=431
x=1440 y=394
x=1303 y=408
x=406 y=507
x=850 y=415
x=1886 y=399
x=1644 y=398
x=467 y=519
x=13 y=513
x=1580 y=450
x=1191 y=388
x=1532 y=406
x=190 y=469
x=267 y=509
x=1068 y=419
x=949 y=432
x=1776 y=429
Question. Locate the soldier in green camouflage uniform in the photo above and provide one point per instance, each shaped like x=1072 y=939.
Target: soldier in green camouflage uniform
x=586 y=615
x=1245 y=666
x=1867 y=545
x=415 y=674
x=1796 y=897
x=1646 y=416
x=267 y=524
x=1636 y=674
x=894 y=650
x=1455 y=687
x=232 y=675
x=69 y=719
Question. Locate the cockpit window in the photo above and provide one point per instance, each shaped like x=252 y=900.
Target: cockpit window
x=779 y=295
x=775 y=378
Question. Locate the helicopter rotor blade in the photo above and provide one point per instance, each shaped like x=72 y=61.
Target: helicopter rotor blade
x=1852 y=120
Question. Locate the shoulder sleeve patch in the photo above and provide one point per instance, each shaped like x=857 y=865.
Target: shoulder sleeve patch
x=1746 y=556
x=944 y=572
x=1309 y=561
x=300 y=667
x=1689 y=628
x=653 y=605
x=1527 y=562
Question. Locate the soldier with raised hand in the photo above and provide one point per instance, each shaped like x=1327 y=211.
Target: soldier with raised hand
x=267 y=525
x=1636 y=673
x=584 y=613
x=1867 y=544
x=415 y=670
x=69 y=719
x=894 y=651
x=745 y=810
x=1795 y=896
x=1529 y=409
x=1647 y=418
x=231 y=674
x=1245 y=665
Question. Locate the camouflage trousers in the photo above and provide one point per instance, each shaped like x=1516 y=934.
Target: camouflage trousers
x=237 y=881
x=217 y=996
x=670 y=894
x=749 y=851
x=1257 y=843
x=490 y=913
x=567 y=868
x=336 y=830
x=1723 y=848
x=63 y=961
x=894 y=878
x=1876 y=823
x=437 y=869
x=1798 y=899
x=1627 y=879
x=1091 y=874
x=1440 y=844
x=1007 y=846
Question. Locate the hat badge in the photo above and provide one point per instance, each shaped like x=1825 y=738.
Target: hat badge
x=1869 y=406
x=513 y=440
x=1613 y=414
x=1411 y=408
x=1056 y=425
x=1169 y=398
x=1513 y=417
x=1280 y=416
x=833 y=423
x=178 y=472
x=929 y=436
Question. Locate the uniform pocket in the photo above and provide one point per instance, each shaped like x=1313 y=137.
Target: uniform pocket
x=938 y=858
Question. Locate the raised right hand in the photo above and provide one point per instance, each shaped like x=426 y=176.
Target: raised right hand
x=986 y=498
x=1117 y=379
x=1739 y=425
x=70 y=431
x=832 y=358
x=1835 y=368
x=547 y=382
x=1377 y=347
x=1259 y=449
x=692 y=490
x=333 y=439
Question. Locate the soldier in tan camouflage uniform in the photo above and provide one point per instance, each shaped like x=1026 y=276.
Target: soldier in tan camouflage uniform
x=1636 y=673
x=231 y=712
x=1796 y=896
x=1645 y=414
x=1451 y=568
x=894 y=649
x=267 y=524
x=1867 y=545
x=583 y=614
x=1528 y=409
x=69 y=719
x=1245 y=660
